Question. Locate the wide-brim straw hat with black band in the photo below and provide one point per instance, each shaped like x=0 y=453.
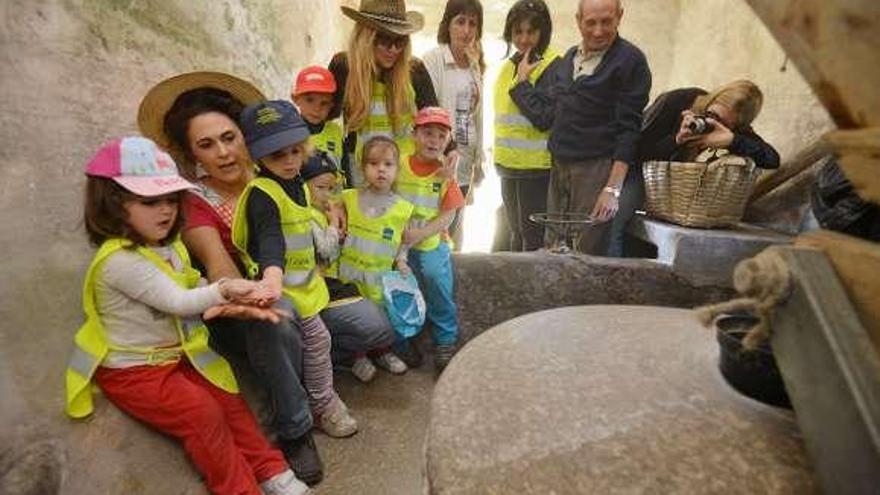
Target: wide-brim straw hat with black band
x=160 y=99
x=390 y=16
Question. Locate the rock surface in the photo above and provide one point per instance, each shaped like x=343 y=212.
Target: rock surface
x=491 y=289
x=604 y=399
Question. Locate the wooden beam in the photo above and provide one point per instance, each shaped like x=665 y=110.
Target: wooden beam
x=857 y=263
x=805 y=159
x=834 y=44
x=858 y=152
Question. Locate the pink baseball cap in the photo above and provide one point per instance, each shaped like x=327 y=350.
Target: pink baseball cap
x=433 y=115
x=138 y=165
x=314 y=79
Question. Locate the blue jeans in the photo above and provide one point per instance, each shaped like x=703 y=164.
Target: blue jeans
x=274 y=351
x=433 y=269
x=357 y=327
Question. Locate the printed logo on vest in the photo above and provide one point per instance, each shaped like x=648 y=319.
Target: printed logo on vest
x=436 y=186
x=331 y=147
x=388 y=233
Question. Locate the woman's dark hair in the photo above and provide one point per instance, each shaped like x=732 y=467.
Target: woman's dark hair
x=454 y=8
x=536 y=13
x=105 y=215
x=191 y=104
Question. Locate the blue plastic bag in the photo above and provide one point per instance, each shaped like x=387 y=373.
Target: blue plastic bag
x=403 y=303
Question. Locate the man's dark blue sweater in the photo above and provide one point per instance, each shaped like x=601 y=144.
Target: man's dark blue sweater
x=595 y=116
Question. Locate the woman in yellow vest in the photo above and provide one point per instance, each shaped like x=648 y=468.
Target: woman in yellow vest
x=380 y=85
x=521 y=155
x=272 y=230
x=143 y=341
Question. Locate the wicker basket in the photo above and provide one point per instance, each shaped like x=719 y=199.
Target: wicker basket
x=695 y=194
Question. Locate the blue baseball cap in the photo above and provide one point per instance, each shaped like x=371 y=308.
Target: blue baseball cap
x=269 y=126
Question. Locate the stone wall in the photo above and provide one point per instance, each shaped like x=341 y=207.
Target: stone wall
x=716 y=41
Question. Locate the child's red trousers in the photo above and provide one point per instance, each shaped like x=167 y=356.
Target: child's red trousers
x=217 y=429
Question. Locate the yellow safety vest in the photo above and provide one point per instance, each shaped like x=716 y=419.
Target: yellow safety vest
x=519 y=144
x=425 y=193
x=91 y=344
x=303 y=284
x=330 y=141
x=371 y=244
x=379 y=124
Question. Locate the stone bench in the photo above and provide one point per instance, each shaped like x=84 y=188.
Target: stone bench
x=704 y=257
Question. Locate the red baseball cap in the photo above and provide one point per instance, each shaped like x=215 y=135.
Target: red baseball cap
x=433 y=115
x=314 y=79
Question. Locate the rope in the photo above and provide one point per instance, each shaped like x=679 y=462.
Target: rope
x=763 y=281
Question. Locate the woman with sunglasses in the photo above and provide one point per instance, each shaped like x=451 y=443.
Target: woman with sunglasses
x=680 y=124
x=380 y=85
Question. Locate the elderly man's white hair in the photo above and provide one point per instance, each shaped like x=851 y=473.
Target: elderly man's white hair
x=582 y=2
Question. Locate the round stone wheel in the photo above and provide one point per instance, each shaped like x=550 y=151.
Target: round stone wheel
x=606 y=400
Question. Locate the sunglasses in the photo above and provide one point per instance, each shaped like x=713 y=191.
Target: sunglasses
x=389 y=41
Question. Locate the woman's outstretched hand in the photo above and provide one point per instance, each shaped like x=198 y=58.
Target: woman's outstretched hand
x=245 y=312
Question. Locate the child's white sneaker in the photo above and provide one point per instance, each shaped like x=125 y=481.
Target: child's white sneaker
x=284 y=483
x=363 y=369
x=391 y=363
x=337 y=422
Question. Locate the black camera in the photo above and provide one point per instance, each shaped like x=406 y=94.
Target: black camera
x=700 y=125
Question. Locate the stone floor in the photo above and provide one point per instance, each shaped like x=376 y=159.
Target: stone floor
x=385 y=457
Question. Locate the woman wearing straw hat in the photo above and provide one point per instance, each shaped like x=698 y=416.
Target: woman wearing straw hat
x=380 y=86
x=195 y=116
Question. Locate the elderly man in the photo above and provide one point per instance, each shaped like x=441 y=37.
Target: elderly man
x=593 y=108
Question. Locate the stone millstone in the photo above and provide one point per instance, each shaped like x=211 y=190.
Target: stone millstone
x=604 y=399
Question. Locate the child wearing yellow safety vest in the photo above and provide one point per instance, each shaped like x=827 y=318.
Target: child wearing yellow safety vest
x=272 y=231
x=313 y=94
x=426 y=181
x=360 y=329
x=143 y=340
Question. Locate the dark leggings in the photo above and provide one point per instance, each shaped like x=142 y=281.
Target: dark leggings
x=523 y=197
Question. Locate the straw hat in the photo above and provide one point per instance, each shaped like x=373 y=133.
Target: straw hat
x=160 y=99
x=389 y=16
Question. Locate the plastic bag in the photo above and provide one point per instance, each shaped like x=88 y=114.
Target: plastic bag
x=403 y=303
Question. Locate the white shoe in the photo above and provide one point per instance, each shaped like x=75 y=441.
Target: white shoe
x=284 y=484
x=337 y=422
x=391 y=363
x=363 y=369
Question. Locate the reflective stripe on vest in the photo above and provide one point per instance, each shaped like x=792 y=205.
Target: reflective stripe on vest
x=519 y=144
x=371 y=244
x=303 y=284
x=92 y=347
x=379 y=124
x=426 y=194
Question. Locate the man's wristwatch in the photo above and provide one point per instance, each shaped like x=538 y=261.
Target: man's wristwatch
x=615 y=191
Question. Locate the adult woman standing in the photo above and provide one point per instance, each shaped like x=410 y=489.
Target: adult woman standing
x=456 y=68
x=195 y=116
x=521 y=155
x=380 y=86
